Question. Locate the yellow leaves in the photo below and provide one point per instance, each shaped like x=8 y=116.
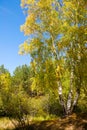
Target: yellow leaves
x=30 y=19
x=58 y=68
x=60 y=46
x=28 y=47
x=65 y=24
x=5 y=81
x=44 y=4
x=26 y=2
x=25 y=29
x=67 y=3
x=72 y=5
x=48 y=63
x=85 y=30
x=43 y=9
x=34 y=82
x=33 y=64
x=35 y=44
x=30 y=1
x=29 y=25
x=75 y=10
x=22 y=3
x=53 y=21
x=68 y=9
x=59 y=71
x=24 y=48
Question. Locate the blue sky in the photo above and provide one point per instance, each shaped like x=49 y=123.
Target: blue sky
x=11 y=17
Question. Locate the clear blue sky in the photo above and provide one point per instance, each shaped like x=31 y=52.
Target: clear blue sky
x=11 y=17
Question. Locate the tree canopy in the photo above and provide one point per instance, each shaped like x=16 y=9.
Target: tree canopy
x=57 y=43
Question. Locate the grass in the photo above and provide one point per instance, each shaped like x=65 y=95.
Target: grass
x=6 y=124
x=73 y=122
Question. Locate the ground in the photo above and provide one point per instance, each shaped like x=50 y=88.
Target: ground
x=73 y=122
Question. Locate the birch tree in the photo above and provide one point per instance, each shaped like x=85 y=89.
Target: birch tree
x=57 y=37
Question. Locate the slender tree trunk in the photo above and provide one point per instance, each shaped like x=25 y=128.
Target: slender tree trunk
x=75 y=100
x=61 y=100
x=77 y=93
x=79 y=78
x=69 y=103
x=69 y=100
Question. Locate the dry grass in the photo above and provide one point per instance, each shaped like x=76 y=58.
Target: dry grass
x=6 y=124
x=73 y=122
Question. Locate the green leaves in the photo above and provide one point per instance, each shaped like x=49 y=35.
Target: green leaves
x=50 y=54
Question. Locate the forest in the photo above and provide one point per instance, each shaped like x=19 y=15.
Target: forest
x=51 y=92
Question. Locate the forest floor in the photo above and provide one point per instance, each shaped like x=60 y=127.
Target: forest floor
x=73 y=122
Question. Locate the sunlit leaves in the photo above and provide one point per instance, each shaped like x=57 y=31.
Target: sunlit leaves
x=46 y=4
x=26 y=2
x=58 y=46
x=5 y=81
x=24 y=48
